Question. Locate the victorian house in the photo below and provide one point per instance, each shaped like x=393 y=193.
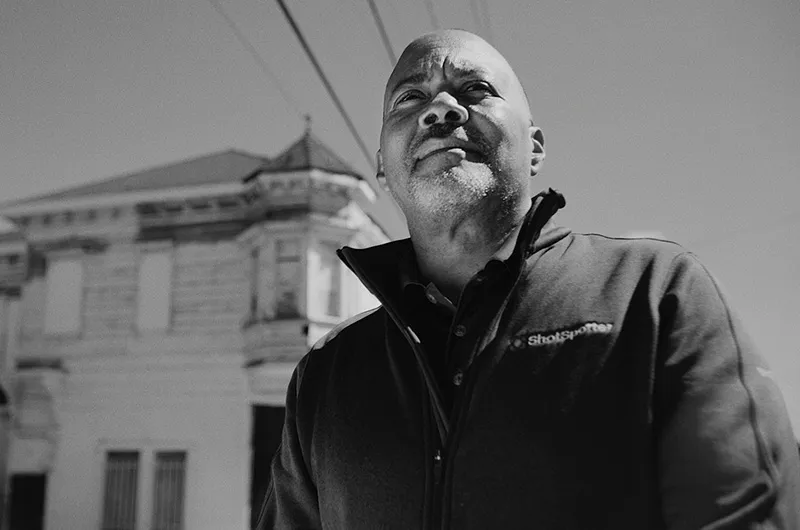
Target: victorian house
x=149 y=325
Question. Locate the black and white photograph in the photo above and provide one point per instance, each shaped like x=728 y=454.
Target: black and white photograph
x=372 y=264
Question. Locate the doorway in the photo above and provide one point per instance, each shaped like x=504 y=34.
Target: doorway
x=26 y=501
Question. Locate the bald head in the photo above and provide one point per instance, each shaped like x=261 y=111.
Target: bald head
x=422 y=54
x=457 y=136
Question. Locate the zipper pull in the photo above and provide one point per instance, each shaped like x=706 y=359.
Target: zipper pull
x=437 y=466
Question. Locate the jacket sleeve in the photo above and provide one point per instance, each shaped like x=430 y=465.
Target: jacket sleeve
x=726 y=453
x=291 y=501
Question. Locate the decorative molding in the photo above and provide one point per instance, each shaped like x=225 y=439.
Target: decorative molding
x=199 y=210
x=50 y=206
x=275 y=340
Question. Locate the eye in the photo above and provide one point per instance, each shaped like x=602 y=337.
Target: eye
x=476 y=87
x=411 y=95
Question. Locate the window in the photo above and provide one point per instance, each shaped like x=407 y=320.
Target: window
x=329 y=278
x=255 y=276
x=288 y=278
x=155 y=290
x=121 y=488
x=64 y=287
x=132 y=478
x=168 y=486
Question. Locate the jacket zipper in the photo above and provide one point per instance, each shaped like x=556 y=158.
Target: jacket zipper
x=435 y=498
x=438 y=494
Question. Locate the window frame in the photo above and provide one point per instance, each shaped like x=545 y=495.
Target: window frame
x=284 y=258
x=326 y=252
x=147 y=450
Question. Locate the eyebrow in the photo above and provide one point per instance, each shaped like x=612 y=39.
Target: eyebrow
x=419 y=77
x=413 y=79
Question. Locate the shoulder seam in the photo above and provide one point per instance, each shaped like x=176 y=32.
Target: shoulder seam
x=338 y=328
x=613 y=238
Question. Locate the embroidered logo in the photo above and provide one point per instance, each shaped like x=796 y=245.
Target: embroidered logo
x=558 y=337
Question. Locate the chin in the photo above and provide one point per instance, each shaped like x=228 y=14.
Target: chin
x=463 y=180
x=449 y=196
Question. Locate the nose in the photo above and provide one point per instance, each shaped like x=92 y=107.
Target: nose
x=443 y=109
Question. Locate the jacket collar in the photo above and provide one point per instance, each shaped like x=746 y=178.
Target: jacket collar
x=385 y=269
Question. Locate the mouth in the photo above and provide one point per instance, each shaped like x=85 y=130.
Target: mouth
x=435 y=146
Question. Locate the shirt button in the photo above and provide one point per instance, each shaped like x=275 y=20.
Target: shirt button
x=431 y=298
x=460 y=331
x=458 y=378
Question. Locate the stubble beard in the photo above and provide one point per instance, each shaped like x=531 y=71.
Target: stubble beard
x=456 y=195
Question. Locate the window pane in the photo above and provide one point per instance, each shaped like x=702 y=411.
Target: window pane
x=255 y=275
x=168 y=490
x=286 y=289
x=155 y=289
x=119 y=504
x=288 y=278
x=64 y=286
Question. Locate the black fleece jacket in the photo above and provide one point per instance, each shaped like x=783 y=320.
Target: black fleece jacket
x=599 y=383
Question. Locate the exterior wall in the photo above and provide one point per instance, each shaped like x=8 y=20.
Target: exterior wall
x=109 y=292
x=211 y=288
x=151 y=403
x=210 y=293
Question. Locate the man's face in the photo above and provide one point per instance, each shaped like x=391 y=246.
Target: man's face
x=456 y=127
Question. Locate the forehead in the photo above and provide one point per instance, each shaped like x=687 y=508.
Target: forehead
x=453 y=57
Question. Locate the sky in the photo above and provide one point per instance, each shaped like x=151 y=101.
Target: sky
x=679 y=119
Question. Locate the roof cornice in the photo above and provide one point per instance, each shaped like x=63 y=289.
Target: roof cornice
x=119 y=199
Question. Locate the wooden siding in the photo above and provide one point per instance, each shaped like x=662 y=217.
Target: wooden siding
x=109 y=292
x=211 y=287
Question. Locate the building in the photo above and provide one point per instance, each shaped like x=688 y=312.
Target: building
x=12 y=275
x=150 y=324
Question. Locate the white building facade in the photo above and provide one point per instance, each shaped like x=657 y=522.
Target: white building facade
x=147 y=345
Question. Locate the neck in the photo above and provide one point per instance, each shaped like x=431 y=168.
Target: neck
x=450 y=256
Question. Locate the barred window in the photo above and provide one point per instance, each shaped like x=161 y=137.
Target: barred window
x=168 y=490
x=121 y=485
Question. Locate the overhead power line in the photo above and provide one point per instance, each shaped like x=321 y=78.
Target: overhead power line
x=376 y=15
x=256 y=56
x=432 y=14
x=328 y=87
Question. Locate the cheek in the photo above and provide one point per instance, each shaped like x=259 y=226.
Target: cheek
x=394 y=145
x=514 y=136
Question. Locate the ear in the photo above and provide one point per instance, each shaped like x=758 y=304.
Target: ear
x=537 y=154
x=380 y=175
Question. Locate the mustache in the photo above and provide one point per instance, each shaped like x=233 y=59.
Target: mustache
x=461 y=132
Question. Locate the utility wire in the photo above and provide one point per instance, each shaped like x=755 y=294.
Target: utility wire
x=376 y=15
x=256 y=56
x=327 y=84
x=432 y=14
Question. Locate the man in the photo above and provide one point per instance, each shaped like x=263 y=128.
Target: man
x=518 y=375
